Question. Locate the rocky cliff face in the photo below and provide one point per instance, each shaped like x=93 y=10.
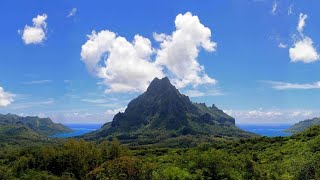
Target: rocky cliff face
x=161 y=106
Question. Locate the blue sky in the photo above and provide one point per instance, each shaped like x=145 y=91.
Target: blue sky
x=259 y=60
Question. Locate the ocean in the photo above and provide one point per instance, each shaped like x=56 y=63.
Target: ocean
x=78 y=129
x=266 y=130
x=263 y=130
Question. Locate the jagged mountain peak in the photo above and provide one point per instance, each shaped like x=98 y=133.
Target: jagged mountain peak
x=162 y=100
x=159 y=86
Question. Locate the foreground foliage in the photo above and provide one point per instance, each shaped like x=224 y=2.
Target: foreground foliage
x=296 y=157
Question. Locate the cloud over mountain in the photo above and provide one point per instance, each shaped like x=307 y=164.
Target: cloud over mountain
x=179 y=51
x=125 y=66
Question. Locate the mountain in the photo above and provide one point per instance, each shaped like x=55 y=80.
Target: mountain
x=14 y=125
x=302 y=125
x=162 y=112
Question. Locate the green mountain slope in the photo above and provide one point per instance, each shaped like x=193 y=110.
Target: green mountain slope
x=17 y=131
x=162 y=112
x=16 y=126
x=302 y=125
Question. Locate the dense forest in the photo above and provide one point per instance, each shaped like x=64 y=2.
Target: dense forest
x=295 y=157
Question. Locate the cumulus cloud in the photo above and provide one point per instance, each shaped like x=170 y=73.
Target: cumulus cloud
x=286 y=86
x=6 y=98
x=127 y=66
x=179 y=51
x=35 y=34
x=303 y=49
x=72 y=12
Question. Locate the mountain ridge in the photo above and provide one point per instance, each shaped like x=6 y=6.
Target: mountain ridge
x=303 y=125
x=34 y=126
x=162 y=112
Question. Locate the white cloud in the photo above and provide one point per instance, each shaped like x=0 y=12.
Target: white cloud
x=179 y=51
x=282 y=45
x=6 y=98
x=72 y=12
x=290 y=9
x=302 y=113
x=112 y=112
x=303 y=49
x=274 y=7
x=197 y=93
x=38 y=82
x=23 y=105
x=35 y=34
x=42 y=115
x=302 y=22
x=84 y=117
x=286 y=86
x=95 y=101
x=271 y=116
x=127 y=66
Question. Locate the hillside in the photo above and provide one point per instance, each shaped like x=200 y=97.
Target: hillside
x=302 y=125
x=294 y=157
x=29 y=127
x=161 y=113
